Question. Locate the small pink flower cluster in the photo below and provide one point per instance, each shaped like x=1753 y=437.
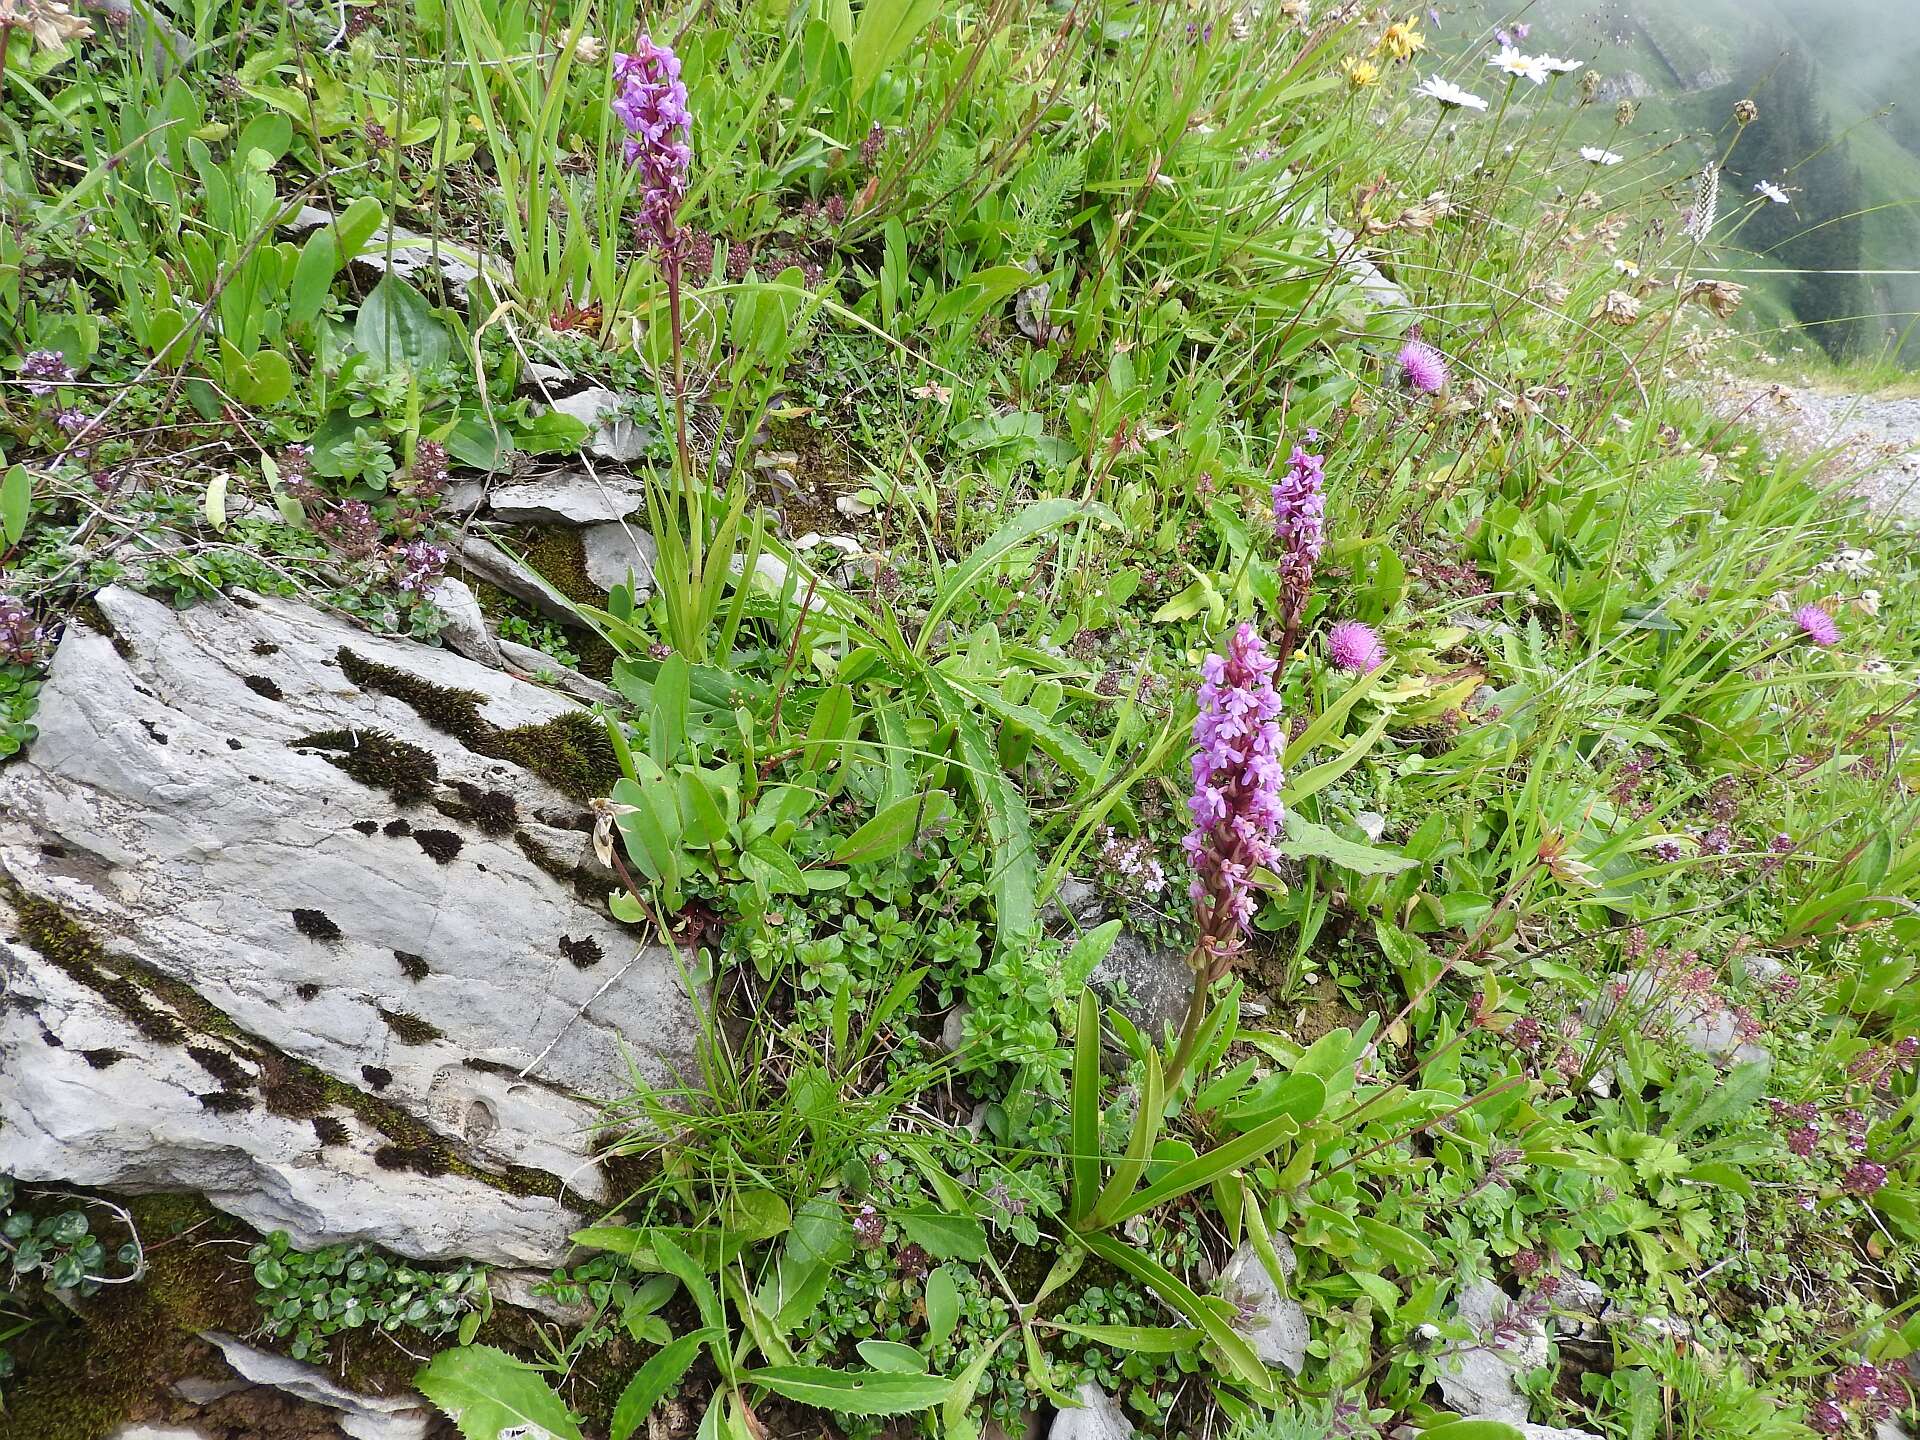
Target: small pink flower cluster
x=1236 y=808
x=652 y=104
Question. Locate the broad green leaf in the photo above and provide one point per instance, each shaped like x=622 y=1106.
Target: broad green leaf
x=1142 y=1339
x=943 y=1305
x=397 y=327
x=1016 y=874
x=1471 y=1430
x=943 y=1236
x=653 y=1379
x=852 y=1392
x=488 y=1393
x=892 y=1357
x=1204 y=1169
x=1087 y=953
x=1086 y=1108
x=1028 y=525
x=1304 y=838
x=16 y=491
x=956 y=1423
x=1232 y=1348
x=893 y=829
x=882 y=33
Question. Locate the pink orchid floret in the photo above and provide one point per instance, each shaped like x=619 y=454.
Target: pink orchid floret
x=1236 y=807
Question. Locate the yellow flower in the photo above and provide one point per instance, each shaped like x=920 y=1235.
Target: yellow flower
x=1400 y=41
x=1360 y=73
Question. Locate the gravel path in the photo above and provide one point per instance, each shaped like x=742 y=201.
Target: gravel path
x=1879 y=438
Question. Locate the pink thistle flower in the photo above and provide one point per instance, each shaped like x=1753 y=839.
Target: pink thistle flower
x=1817 y=625
x=1355 y=648
x=1423 y=367
x=1236 y=808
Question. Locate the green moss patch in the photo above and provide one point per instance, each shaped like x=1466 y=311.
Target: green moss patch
x=570 y=752
x=379 y=761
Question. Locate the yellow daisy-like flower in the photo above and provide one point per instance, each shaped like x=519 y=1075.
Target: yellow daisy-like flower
x=1400 y=41
x=1360 y=73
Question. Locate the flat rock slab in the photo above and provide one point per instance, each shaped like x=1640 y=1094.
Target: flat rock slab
x=289 y=923
x=570 y=499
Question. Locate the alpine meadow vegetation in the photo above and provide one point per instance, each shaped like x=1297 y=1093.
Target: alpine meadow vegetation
x=1278 y=826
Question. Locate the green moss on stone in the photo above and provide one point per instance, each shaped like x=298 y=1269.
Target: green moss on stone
x=570 y=752
x=411 y=1029
x=379 y=761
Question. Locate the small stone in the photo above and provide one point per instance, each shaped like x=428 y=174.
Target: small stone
x=612 y=437
x=852 y=506
x=1476 y=1377
x=1275 y=1325
x=517 y=1288
x=1371 y=824
x=466 y=629
x=1098 y=1417
x=1155 y=981
x=404 y=1416
x=953 y=1030
x=618 y=552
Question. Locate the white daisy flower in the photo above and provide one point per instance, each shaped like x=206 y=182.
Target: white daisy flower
x=1449 y=94
x=1594 y=155
x=1772 y=191
x=1511 y=63
x=1554 y=65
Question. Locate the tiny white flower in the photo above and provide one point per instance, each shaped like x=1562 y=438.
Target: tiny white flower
x=1554 y=65
x=1450 y=95
x=1511 y=63
x=1772 y=191
x=1594 y=155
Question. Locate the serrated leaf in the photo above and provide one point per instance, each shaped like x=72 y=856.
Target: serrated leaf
x=492 y=1396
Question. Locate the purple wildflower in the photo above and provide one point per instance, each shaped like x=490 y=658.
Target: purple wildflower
x=353 y=527
x=1300 y=511
x=1423 y=367
x=652 y=104
x=1667 y=851
x=1716 y=841
x=1817 y=625
x=1827 y=1417
x=20 y=634
x=1525 y=1034
x=1907 y=1048
x=71 y=419
x=429 y=468
x=1300 y=527
x=419 y=564
x=1858 y=1384
x=869 y=1227
x=1354 y=647
x=1802 y=1138
x=44 y=370
x=1235 y=806
x=1864 y=1178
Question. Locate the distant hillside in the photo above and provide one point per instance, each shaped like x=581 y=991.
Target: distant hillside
x=1826 y=75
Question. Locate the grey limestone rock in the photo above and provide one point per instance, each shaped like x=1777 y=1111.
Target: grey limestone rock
x=273 y=935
